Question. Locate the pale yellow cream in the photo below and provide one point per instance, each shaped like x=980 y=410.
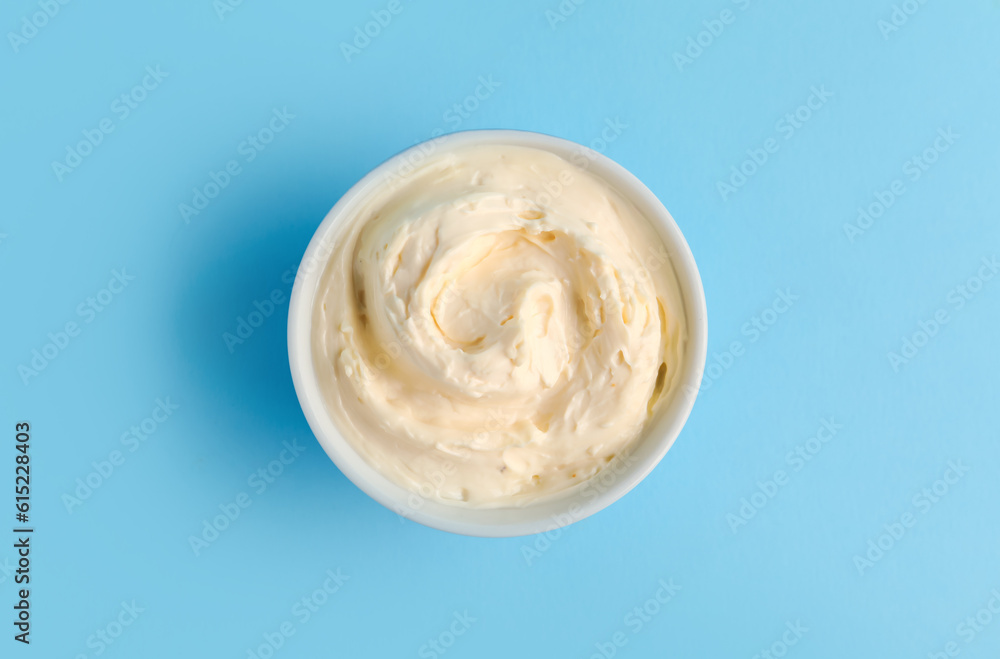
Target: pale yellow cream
x=495 y=326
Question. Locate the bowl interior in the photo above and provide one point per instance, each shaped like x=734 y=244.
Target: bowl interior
x=573 y=504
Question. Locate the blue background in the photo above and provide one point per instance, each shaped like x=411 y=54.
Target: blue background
x=687 y=125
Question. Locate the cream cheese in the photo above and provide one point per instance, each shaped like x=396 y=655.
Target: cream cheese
x=496 y=326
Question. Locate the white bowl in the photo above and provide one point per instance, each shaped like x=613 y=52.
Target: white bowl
x=566 y=507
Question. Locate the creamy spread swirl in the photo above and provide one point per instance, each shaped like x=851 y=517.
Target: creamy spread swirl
x=496 y=326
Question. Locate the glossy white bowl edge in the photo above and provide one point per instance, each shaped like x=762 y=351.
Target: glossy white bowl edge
x=548 y=513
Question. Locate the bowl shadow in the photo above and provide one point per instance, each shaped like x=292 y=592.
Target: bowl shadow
x=231 y=313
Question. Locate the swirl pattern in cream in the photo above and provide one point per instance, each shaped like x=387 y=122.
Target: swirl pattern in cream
x=495 y=327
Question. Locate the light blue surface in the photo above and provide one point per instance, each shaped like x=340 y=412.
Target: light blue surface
x=827 y=356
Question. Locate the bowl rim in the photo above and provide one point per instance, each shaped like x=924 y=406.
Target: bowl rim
x=551 y=512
